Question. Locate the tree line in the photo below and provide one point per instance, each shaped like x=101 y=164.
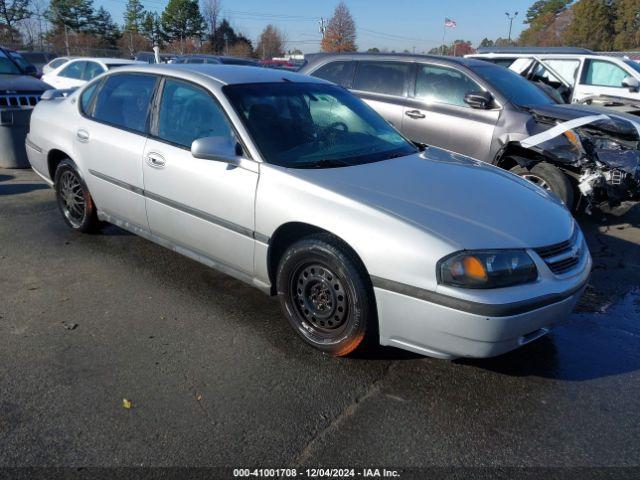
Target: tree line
x=602 y=25
x=184 y=26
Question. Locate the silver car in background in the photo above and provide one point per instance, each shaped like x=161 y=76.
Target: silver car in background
x=296 y=186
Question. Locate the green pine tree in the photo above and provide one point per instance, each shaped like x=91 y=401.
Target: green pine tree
x=182 y=19
x=105 y=27
x=592 y=25
x=76 y=15
x=539 y=17
x=134 y=14
x=627 y=25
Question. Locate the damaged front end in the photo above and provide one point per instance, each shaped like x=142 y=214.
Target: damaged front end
x=601 y=153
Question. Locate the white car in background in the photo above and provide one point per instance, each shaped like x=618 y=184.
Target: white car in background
x=78 y=71
x=55 y=63
x=576 y=73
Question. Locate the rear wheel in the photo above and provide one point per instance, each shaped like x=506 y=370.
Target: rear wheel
x=326 y=295
x=550 y=178
x=74 y=200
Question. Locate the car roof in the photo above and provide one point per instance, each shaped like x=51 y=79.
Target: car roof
x=223 y=74
x=106 y=61
x=316 y=58
x=536 y=50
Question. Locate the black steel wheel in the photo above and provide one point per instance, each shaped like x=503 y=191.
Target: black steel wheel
x=326 y=294
x=74 y=200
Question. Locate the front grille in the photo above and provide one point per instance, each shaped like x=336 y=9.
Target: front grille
x=19 y=100
x=564 y=256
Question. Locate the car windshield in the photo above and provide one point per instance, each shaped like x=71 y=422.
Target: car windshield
x=515 y=88
x=20 y=60
x=307 y=125
x=633 y=64
x=7 y=66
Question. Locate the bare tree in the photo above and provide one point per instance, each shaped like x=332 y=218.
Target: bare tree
x=12 y=12
x=211 y=13
x=271 y=43
x=340 y=34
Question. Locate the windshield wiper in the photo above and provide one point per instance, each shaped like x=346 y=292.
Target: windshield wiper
x=327 y=163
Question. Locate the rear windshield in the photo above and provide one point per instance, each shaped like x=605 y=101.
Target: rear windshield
x=512 y=86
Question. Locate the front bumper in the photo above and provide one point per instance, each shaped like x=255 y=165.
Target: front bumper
x=454 y=328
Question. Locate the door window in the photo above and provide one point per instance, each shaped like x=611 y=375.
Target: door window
x=124 y=101
x=382 y=77
x=92 y=70
x=73 y=70
x=603 y=74
x=188 y=113
x=566 y=68
x=340 y=73
x=443 y=85
x=87 y=95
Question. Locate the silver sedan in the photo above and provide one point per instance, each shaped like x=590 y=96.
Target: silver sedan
x=297 y=187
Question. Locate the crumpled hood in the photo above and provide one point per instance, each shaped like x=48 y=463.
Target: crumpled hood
x=22 y=83
x=465 y=202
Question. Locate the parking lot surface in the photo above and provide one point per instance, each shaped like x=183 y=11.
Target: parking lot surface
x=217 y=377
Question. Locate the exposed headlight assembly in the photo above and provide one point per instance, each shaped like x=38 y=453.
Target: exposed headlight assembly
x=487 y=269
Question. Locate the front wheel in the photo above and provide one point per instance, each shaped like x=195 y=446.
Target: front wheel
x=74 y=200
x=326 y=296
x=550 y=178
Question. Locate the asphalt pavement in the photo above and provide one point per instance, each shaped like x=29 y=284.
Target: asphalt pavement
x=215 y=375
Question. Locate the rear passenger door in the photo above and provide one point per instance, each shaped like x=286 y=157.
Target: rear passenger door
x=602 y=77
x=436 y=113
x=383 y=85
x=110 y=139
x=205 y=206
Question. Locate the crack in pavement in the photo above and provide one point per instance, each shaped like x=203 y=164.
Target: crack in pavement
x=334 y=424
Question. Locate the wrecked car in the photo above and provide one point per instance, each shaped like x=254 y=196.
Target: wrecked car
x=487 y=112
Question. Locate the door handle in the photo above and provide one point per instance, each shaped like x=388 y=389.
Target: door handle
x=155 y=160
x=414 y=114
x=82 y=135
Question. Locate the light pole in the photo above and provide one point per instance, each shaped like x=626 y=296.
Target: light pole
x=510 y=16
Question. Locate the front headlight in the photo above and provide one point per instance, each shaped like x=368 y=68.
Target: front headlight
x=487 y=269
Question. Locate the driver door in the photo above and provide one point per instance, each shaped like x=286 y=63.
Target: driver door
x=204 y=206
x=602 y=77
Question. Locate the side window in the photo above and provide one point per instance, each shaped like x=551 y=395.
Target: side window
x=340 y=73
x=124 y=101
x=195 y=60
x=188 y=112
x=567 y=69
x=73 y=70
x=57 y=62
x=92 y=70
x=603 y=74
x=444 y=85
x=86 y=97
x=382 y=77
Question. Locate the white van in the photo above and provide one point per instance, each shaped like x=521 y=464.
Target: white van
x=576 y=74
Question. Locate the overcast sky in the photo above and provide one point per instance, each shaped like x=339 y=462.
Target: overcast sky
x=390 y=24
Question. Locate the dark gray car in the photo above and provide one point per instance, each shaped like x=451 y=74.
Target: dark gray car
x=19 y=93
x=487 y=112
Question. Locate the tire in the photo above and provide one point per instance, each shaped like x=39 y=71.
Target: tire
x=550 y=178
x=326 y=295
x=74 y=200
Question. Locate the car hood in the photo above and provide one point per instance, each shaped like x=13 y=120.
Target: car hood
x=617 y=127
x=22 y=83
x=465 y=202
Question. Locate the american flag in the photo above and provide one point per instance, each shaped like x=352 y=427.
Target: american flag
x=450 y=23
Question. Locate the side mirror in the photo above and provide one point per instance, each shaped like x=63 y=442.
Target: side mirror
x=220 y=149
x=631 y=83
x=479 y=100
x=31 y=70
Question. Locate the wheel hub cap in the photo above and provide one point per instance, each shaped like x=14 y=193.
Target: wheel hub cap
x=320 y=297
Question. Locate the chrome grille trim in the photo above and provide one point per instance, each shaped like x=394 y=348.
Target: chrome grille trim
x=564 y=256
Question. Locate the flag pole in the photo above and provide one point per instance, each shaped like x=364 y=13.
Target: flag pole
x=444 y=30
